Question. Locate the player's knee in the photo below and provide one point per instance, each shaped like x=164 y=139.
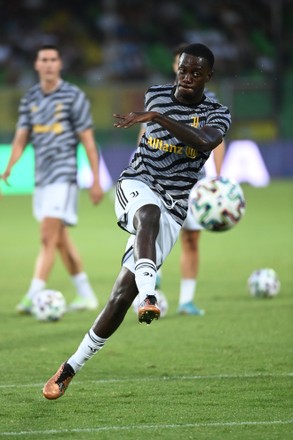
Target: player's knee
x=147 y=217
x=193 y=245
x=50 y=237
x=190 y=240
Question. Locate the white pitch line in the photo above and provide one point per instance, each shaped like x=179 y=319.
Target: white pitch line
x=160 y=378
x=147 y=427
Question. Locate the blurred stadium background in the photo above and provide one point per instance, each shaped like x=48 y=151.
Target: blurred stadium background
x=114 y=49
x=226 y=376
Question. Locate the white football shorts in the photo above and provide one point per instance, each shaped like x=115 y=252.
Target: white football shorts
x=130 y=196
x=58 y=200
x=190 y=223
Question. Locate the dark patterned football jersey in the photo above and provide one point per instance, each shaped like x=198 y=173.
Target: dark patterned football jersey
x=162 y=161
x=54 y=121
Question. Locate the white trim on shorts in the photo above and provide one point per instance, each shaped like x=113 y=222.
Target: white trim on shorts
x=131 y=195
x=57 y=200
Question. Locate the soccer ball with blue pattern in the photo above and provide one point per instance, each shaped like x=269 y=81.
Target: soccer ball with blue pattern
x=217 y=203
x=264 y=283
x=48 y=305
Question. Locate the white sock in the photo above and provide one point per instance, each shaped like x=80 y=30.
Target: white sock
x=187 y=290
x=35 y=286
x=88 y=347
x=145 y=277
x=82 y=285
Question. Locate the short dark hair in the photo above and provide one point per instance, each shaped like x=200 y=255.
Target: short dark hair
x=47 y=47
x=179 y=49
x=200 y=50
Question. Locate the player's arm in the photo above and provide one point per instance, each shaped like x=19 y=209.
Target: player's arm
x=19 y=143
x=219 y=153
x=203 y=139
x=140 y=133
x=87 y=139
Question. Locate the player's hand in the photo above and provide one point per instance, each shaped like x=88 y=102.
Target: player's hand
x=5 y=176
x=96 y=192
x=126 y=121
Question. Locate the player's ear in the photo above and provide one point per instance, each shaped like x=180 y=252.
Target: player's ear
x=59 y=60
x=209 y=75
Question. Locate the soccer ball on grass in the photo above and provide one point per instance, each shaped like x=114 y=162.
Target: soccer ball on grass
x=264 y=283
x=48 y=305
x=217 y=203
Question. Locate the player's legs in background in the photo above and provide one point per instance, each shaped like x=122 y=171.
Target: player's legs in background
x=86 y=298
x=50 y=232
x=189 y=265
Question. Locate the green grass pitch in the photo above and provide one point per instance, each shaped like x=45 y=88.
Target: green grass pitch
x=226 y=375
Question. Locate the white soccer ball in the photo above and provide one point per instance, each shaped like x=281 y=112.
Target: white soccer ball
x=48 y=305
x=217 y=203
x=264 y=283
x=162 y=303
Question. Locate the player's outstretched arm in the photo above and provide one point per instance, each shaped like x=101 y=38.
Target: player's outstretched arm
x=203 y=139
x=128 y=120
x=87 y=139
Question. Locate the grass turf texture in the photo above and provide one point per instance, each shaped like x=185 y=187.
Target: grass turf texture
x=227 y=375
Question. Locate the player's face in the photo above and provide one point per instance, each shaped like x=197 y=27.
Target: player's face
x=48 y=65
x=192 y=75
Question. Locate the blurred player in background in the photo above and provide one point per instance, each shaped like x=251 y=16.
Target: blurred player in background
x=190 y=232
x=55 y=115
x=182 y=128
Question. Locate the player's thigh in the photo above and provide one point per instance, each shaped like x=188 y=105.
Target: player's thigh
x=131 y=195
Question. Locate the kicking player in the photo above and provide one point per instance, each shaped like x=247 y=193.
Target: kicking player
x=183 y=126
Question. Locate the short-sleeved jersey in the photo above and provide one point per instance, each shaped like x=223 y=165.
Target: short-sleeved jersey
x=54 y=121
x=165 y=163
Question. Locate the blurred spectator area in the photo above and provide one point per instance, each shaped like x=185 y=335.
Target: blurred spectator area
x=131 y=40
x=114 y=49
